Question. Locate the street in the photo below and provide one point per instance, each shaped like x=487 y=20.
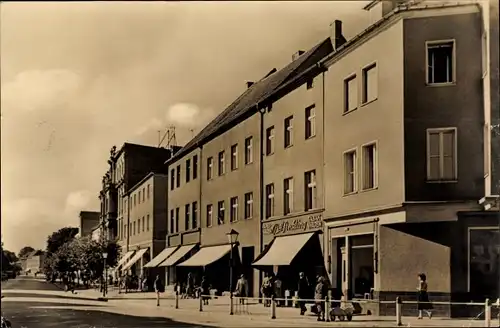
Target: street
x=35 y=310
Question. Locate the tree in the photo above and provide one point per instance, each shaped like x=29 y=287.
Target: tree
x=59 y=238
x=25 y=251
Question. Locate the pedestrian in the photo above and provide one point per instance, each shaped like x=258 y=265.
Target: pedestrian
x=204 y=290
x=266 y=289
x=159 y=288
x=242 y=289
x=423 y=297
x=189 y=285
x=278 y=290
x=319 y=296
x=303 y=289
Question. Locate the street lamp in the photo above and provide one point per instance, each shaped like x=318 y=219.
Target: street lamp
x=232 y=236
x=105 y=280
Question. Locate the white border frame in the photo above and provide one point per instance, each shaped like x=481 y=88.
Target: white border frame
x=469 y=229
x=356 y=171
x=428 y=148
x=375 y=166
x=453 y=66
x=364 y=69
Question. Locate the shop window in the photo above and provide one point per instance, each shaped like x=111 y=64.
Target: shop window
x=484 y=266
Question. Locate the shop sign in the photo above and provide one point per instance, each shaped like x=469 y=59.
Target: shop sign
x=293 y=225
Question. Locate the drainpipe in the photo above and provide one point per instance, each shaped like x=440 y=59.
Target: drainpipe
x=261 y=185
x=200 y=176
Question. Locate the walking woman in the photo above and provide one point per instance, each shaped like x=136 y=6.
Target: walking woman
x=159 y=288
x=423 y=297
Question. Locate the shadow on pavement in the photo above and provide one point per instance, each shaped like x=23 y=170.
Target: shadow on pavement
x=43 y=316
x=31 y=295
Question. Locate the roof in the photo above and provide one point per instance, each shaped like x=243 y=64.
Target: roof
x=149 y=175
x=127 y=145
x=246 y=104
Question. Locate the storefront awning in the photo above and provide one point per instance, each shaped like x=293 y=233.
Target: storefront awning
x=206 y=256
x=177 y=256
x=161 y=257
x=283 y=250
x=136 y=258
x=124 y=259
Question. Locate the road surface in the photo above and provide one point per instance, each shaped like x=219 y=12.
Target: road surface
x=25 y=308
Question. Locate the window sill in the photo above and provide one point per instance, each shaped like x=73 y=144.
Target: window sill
x=445 y=84
x=270 y=154
x=287 y=147
x=442 y=181
x=349 y=111
x=368 y=102
x=235 y=169
x=350 y=193
x=369 y=189
x=311 y=137
x=249 y=163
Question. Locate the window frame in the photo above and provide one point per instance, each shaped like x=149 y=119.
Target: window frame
x=249 y=150
x=270 y=197
x=345 y=107
x=313 y=187
x=288 y=132
x=373 y=143
x=355 y=173
x=188 y=170
x=364 y=83
x=178 y=176
x=194 y=215
x=221 y=163
x=210 y=168
x=270 y=142
x=288 y=195
x=440 y=131
x=248 y=205
x=310 y=121
x=187 y=216
x=172 y=221
x=234 y=157
x=221 y=210
x=172 y=179
x=195 y=167
x=233 y=211
x=209 y=215
x=433 y=44
x=177 y=219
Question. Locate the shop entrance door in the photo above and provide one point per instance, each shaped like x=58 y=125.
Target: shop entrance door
x=345 y=272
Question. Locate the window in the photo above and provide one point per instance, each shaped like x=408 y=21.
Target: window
x=147 y=222
x=222 y=164
x=194 y=220
x=270 y=140
x=195 y=167
x=441 y=154
x=130 y=229
x=188 y=170
x=350 y=94
x=440 y=62
x=143 y=194
x=210 y=165
x=310 y=122
x=221 y=212
x=172 y=221
x=350 y=172
x=269 y=200
x=177 y=218
x=134 y=229
x=310 y=84
x=248 y=205
x=370 y=83
x=234 y=157
x=209 y=215
x=172 y=179
x=143 y=224
x=369 y=166
x=287 y=196
x=310 y=190
x=187 y=218
x=178 y=176
x=248 y=150
x=149 y=194
x=288 y=138
x=139 y=198
x=233 y=215
x=135 y=199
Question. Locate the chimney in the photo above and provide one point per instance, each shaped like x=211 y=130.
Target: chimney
x=337 y=37
x=249 y=84
x=297 y=54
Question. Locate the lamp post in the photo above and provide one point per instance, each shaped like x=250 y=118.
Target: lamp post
x=232 y=236
x=105 y=272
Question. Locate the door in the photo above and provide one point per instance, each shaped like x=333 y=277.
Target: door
x=345 y=272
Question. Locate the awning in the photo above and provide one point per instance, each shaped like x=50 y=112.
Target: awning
x=124 y=259
x=136 y=258
x=283 y=250
x=161 y=257
x=206 y=256
x=178 y=255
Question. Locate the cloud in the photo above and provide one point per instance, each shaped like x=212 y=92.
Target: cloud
x=40 y=90
x=78 y=200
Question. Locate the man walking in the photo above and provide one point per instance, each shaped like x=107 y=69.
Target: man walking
x=159 y=288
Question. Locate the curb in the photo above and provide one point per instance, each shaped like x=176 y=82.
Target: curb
x=102 y=299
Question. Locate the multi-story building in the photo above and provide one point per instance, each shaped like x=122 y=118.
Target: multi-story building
x=216 y=181
x=89 y=220
x=407 y=157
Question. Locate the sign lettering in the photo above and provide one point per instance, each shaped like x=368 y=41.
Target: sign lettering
x=294 y=225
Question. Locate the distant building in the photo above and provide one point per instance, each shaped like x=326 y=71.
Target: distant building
x=89 y=220
x=33 y=262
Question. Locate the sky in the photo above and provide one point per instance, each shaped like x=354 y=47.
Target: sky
x=78 y=78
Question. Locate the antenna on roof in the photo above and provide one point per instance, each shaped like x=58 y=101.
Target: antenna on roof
x=170 y=136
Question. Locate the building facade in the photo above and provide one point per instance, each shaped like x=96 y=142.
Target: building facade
x=410 y=183
x=88 y=221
